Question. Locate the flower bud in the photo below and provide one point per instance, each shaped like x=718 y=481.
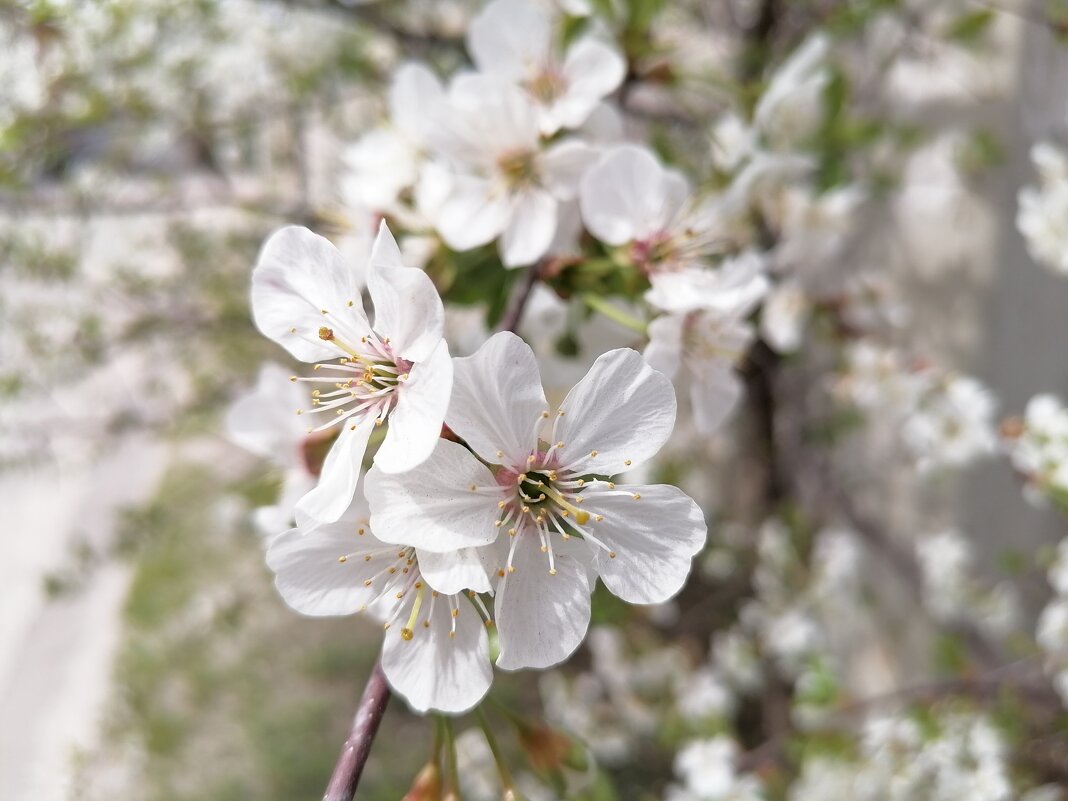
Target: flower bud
x=427 y=785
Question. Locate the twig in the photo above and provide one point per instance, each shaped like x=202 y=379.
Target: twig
x=357 y=747
x=512 y=317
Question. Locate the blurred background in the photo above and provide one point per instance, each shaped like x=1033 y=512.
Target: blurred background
x=146 y=149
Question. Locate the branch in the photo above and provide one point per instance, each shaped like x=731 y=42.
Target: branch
x=357 y=747
x=512 y=317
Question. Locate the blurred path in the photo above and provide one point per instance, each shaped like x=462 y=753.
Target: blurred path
x=56 y=655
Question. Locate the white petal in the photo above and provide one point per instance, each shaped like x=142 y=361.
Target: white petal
x=623 y=410
x=497 y=400
x=664 y=350
x=341 y=472
x=299 y=274
x=432 y=507
x=592 y=71
x=628 y=195
x=415 y=422
x=654 y=538
x=264 y=421
x=474 y=214
x=456 y=571
x=508 y=37
x=309 y=575
x=563 y=165
x=413 y=97
x=530 y=229
x=407 y=308
x=541 y=618
x=434 y=670
x=714 y=394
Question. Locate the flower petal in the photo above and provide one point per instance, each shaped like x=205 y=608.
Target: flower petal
x=264 y=421
x=437 y=669
x=474 y=213
x=407 y=308
x=297 y=276
x=310 y=576
x=628 y=195
x=341 y=472
x=654 y=534
x=530 y=229
x=541 y=618
x=563 y=165
x=664 y=350
x=414 y=94
x=592 y=71
x=415 y=422
x=456 y=571
x=497 y=400
x=432 y=507
x=508 y=37
x=618 y=416
x=714 y=393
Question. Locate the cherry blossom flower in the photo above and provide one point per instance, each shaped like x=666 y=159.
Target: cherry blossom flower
x=706 y=331
x=436 y=649
x=387 y=160
x=554 y=522
x=262 y=422
x=304 y=297
x=504 y=182
x=513 y=40
x=629 y=198
x=1043 y=210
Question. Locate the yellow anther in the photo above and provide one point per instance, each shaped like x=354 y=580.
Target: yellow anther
x=560 y=444
x=636 y=496
x=452 y=635
x=498 y=523
x=511 y=532
x=611 y=554
x=500 y=573
x=455 y=612
x=361 y=531
x=593 y=453
x=343 y=559
x=473 y=488
x=367 y=558
x=293 y=378
x=501 y=504
x=598 y=518
x=500 y=454
x=324 y=311
x=349 y=304
x=407 y=634
x=300 y=411
x=626 y=462
x=552 y=571
x=511 y=568
x=367 y=583
x=544 y=549
x=545 y=414
x=326 y=333
x=292 y=330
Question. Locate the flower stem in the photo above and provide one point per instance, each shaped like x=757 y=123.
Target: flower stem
x=495 y=749
x=357 y=747
x=601 y=306
x=452 y=777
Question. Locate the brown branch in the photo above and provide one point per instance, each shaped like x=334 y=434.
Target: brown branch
x=357 y=747
x=511 y=319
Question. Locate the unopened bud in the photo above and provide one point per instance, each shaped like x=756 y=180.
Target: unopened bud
x=427 y=785
x=546 y=748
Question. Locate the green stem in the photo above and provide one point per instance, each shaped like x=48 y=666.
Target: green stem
x=602 y=306
x=495 y=749
x=452 y=778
